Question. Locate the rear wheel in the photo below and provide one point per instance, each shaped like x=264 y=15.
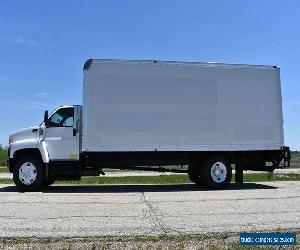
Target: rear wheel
x=28 y=173
x=216 y=172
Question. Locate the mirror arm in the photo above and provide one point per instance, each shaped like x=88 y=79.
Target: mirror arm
x=46 y=119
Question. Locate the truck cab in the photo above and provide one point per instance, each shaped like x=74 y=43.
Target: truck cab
x=56 y=140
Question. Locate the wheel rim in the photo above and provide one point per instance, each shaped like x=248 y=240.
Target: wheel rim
x=218 y=172
x=27 y=173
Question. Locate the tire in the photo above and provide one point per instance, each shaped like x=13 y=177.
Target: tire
x=28 y=173
x=194 y=173
x=216 y=172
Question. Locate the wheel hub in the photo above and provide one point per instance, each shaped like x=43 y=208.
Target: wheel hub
x=27 y=173
x=219 y=172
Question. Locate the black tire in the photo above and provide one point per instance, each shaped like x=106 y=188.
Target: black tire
x=216 y=172
x=39 y=171
x=48 y=183
x=194 y=171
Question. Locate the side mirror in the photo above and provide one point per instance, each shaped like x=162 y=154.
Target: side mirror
x=46 y=119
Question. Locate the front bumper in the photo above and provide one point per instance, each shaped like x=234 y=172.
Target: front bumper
x=10 y=161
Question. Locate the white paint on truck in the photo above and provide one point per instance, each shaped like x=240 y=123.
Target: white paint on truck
x=176 y=106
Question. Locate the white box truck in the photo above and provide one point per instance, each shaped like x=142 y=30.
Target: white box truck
x=149 y=115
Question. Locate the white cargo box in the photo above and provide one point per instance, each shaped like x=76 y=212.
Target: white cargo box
x=180 y=106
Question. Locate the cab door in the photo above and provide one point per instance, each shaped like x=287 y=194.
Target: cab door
x=61 y=135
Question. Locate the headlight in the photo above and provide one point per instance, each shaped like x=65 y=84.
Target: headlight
x=10 y=140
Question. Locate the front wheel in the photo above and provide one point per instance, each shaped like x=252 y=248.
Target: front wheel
x=216 y=172
x=28 y=173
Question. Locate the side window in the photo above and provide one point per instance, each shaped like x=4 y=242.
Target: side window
x=63 y=117
x=69 y=122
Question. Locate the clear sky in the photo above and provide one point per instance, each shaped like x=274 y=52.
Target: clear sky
x=43 y=45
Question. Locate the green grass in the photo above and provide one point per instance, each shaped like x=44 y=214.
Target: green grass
x=167 y=179
x=3 y=157
x=295 y=161
x=164 y=241
x=4 y=169
x=163 y=179
x=261 y=177
x=6 y=181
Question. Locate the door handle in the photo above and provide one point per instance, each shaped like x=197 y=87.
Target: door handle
x=74 y=131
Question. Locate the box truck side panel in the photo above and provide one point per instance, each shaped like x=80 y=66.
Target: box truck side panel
x=148 y=106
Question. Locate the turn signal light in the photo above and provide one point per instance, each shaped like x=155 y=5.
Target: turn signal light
x=10 y=140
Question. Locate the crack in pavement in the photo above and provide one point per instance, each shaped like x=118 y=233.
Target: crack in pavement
x=155 y=214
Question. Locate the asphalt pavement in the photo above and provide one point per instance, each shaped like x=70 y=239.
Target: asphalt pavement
x=98 y=210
